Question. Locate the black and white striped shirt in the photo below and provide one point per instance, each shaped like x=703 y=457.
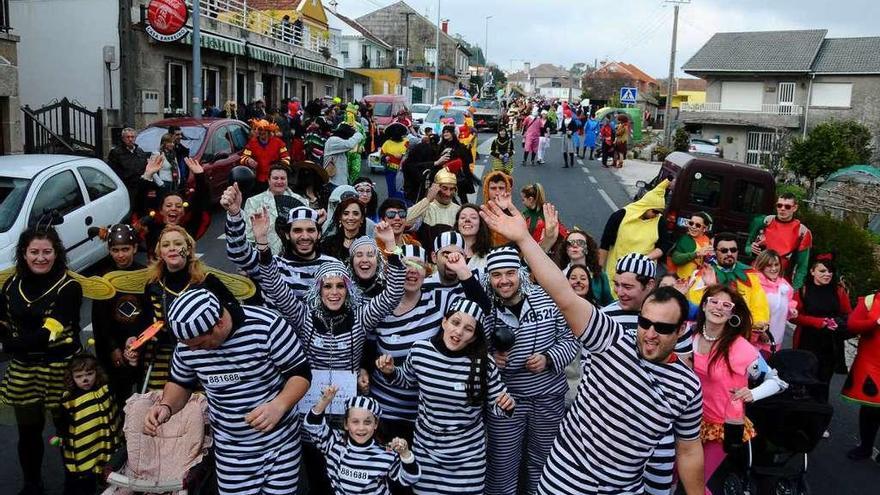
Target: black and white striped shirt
x=340 y=347
x=359 y=469
x=249 y=369
x=298 y=274
x=540 y=328
x=624 y=407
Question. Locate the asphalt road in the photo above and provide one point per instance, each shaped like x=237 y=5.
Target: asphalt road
x=585 y=196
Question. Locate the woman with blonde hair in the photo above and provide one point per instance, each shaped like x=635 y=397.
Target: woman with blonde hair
x=533 y=199
x=780 y=297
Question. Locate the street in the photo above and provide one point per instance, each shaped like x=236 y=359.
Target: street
x=585 y=196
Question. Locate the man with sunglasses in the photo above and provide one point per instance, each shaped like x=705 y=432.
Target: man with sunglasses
x=394 y=212
x=738 y=276
x=634 y=389
x=437 y=210
x=787 y=236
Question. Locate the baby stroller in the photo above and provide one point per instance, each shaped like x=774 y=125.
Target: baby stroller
x=178 y=460
x=789 y=425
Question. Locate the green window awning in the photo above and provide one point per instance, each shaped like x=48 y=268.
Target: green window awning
x=217 y=43
x=270 y=56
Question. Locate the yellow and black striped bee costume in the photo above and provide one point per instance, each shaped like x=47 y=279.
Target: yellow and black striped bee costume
x=89 y=429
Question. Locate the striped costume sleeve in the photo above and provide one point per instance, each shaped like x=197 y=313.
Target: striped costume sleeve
x=285 y=351
x=404 y=375
x=601 y=332
x=182 y=374
x=687 y=425
x=320 y=431
x=566 y=346
x=281 y=295
x=406 y=474
x=496 y=388
x=238 y=249
x=383 y=304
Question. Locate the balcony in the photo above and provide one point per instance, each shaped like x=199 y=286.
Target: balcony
x=236 y=13
x=5 y=26
x=769 y=115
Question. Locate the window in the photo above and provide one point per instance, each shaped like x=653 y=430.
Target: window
x=400 y=57
x=760 y=146
x=13 y=191
x=175 y=88
x=835 y=95
x=211 y=86
x=705 y=190
x=241 y=87
x=430 y=57
x=328 y=90
x=742 y=96
x=285 y=89
x=239 y=136
x=219 y=143
x=97 y=182
x=344 y=55
x=61 y=192
x=365 y=54
x=749 y=197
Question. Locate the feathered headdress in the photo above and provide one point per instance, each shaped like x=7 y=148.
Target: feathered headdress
x=264 y=125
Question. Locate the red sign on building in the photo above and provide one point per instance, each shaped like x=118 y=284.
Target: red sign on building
x=166 y=19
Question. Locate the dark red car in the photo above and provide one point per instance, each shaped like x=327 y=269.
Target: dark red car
x=216 y=143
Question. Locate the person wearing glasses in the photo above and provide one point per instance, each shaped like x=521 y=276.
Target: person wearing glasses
x=787 y=236
x=609 y=433
x=366 y=190
x=394 y=212
x=739 y=276
x=725 y=361
x=692 y=249
x=581 y=249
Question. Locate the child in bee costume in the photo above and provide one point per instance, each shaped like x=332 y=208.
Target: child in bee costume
x=356 y=463
x=88 y=425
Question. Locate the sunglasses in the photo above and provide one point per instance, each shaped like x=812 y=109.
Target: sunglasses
x=732 y=250
x=695 y=225
x=725 y=305
x=577 y=243
x=395 y=213
x=784 y=206
x=659 y=327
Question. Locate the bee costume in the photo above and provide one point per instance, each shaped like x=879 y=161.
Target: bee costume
x=89 y=429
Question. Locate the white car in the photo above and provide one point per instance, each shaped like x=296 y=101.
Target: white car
x=419 y=111
x=707 y=147
x=84 y=191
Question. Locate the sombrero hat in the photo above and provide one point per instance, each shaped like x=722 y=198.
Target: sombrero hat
x=314 y=167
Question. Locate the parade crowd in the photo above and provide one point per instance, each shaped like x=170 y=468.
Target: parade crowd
x=415 y=343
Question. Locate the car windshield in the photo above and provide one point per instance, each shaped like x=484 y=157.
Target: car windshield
x=13 y=190
x=149 y=138
x=486 y=104
x=456 y=101
x=421 y=108
x=382 y=109
x=437 y=114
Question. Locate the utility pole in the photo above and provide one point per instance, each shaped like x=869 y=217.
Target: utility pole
x=405 y=84
x=197 y=62
x=437 y=59
x=486 y=52
x=667 y=125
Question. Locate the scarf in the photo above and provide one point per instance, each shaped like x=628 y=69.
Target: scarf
x=733 y=275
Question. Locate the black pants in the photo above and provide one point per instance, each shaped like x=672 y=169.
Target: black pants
x=80 y=483
x=869 y=424
x=606 y=151
x=313 y=474
x=31 y=420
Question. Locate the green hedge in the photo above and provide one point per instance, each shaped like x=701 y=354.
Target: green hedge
x=799 y=192
x=854 y=247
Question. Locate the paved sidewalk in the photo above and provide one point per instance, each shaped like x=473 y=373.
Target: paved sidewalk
x=633 y=171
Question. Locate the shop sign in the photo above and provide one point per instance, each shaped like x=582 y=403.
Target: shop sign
x=166 y=19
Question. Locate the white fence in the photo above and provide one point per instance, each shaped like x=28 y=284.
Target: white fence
x=766 y=108
x=237 y=13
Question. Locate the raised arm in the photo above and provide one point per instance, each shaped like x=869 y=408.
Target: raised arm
x=383 y=304
x=238 y=249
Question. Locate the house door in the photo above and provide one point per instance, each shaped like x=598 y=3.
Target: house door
x=785 y=93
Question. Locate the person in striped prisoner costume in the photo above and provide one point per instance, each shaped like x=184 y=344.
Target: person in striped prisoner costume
x=356 y=463
x=299 y=232
x=39 y=328
x=254 y=371
x=331 y=320
x=457 y=381
x=532 y=367
x=607 y=436
x=415 y=319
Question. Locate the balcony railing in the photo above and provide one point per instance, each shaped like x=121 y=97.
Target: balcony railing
x=5 y=26
x=238 y=13
x=766 y=108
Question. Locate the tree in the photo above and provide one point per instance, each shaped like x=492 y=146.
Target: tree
x=827 y=148
x=604 y=88
x=680 y=140
x=774 y=160
x=577 y=70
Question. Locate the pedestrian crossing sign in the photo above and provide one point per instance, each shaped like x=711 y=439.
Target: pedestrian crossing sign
x=628 y=95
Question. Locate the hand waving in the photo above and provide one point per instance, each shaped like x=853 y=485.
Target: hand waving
x=194 y=165
x=231 y=199
x=260 y=224
x=385 y=364
x=511 y=226
x=384 y=235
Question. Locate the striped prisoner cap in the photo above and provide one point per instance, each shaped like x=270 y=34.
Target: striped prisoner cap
x=447 y=239
x=638 y=264
x=334 y=268
x=363 y=240
x=194 y=313
x=302 y=213
x=414 y=251
x=503 y=258
x=367 y=403
x=466 y=306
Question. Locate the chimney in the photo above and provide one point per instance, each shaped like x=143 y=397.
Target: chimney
x=527 y=67
x=444 y=26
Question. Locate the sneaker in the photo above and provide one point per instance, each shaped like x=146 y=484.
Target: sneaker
x=859 y=453
x=826 y=434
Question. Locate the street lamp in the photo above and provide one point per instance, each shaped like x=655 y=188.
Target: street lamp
x=486 y=46
x=437 y=59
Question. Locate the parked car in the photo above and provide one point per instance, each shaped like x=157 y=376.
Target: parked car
x=84 y=191
x=437 y=114
x=419 y=112
x=216 y=143
x=732 y=193
x=487 y=114
x=386 y=107
x=699 y=146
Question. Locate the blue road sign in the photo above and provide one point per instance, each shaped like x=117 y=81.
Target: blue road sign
x=628 y=95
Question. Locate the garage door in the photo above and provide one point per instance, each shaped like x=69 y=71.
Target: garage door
x=743 y=96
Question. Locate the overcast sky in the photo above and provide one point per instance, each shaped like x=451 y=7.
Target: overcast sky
x=639 y=32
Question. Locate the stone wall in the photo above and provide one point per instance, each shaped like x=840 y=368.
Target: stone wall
x=10 y=113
